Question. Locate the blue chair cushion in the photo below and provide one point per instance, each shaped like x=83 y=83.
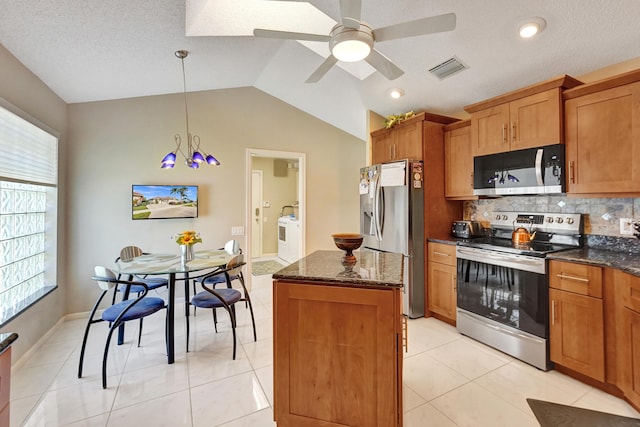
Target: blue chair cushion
x=206 y=299
x=218 y=278
x=145 y=307
x=151 y=282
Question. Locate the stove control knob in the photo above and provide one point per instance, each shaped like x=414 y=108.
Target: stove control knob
x=569 y=220
x=559 y=220
x=497 y=217
x=504 y=217
x=550 y=219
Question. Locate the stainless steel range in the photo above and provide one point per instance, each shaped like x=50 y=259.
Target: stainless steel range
x=503 y=288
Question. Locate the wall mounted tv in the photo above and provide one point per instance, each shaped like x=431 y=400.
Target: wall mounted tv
x=164 y=201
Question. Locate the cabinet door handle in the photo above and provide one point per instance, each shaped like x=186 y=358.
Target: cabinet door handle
x=571 y=176
x=553 y=312
x=472 y=181
x=577 y=279
x=513 y=131
x=504 y=133
x=455 y=283
x=440 y=253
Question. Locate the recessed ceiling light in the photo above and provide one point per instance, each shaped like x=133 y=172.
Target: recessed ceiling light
x=396 y=93
x=532 y=27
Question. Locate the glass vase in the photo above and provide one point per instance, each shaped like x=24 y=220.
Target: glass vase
x=186 y=253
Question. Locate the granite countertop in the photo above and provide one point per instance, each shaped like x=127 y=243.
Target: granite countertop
x=372 y=269
x=609 y=252
x=6 y=340
x=628 y=262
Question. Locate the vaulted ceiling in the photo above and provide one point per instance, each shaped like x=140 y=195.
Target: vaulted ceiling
x=95 y=50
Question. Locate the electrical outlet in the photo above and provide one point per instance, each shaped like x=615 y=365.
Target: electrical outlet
x=626 y=226
x=237 y=230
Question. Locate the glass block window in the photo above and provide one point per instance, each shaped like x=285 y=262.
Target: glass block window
x=28 y=214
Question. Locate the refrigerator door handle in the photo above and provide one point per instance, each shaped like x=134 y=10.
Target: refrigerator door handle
x=376 y=209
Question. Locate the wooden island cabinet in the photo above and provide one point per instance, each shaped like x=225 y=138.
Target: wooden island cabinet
x=6 y=339
x=338 y=341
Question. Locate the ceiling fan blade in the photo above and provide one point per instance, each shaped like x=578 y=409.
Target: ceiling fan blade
x=350 y=12
x=383 y=65
x=429 y=25
x=322 y=69
x=275 y=34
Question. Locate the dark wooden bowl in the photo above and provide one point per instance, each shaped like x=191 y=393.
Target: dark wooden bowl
x=348 y=242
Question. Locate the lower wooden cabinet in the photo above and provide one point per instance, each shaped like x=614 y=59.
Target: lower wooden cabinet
x=442 y=281
x=628 y=339
x=576 y=332
x=337 y=355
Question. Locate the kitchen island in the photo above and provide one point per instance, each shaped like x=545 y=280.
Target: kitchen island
x=338 y=341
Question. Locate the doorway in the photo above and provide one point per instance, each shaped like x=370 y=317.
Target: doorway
x=265 y=209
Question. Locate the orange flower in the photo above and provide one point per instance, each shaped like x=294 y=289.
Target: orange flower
x=188 y=238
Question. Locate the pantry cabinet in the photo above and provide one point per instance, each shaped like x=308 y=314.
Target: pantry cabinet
x=458 y=161
x=577 y=318
x=442 y=281
x=603 y=136
x=405 y=140
x=526 y=118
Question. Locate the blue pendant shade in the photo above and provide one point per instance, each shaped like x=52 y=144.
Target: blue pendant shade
x=197 y=157
x=193 y=156
x=169 y=160
x=212 y=160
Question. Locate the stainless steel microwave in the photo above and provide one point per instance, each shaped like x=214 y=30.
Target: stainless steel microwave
x=529 y=171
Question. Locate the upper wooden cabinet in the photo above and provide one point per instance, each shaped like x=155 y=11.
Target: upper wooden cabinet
x=404 y=140
x=526 y=118
x=458 y=161
x=602 y=136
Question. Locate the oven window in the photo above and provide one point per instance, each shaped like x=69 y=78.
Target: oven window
x=506 y=295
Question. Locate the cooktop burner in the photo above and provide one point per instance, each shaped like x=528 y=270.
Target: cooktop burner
x=534 y=248
x=553 y=233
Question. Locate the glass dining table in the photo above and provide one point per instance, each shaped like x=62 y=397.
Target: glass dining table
x=172 y=265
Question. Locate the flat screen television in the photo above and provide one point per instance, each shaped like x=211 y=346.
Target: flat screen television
x=164 y=201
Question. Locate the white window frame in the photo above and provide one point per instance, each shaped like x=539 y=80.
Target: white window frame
x=28 y=170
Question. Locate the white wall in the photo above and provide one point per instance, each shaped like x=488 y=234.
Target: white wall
x=24 y=90
x=115 y=144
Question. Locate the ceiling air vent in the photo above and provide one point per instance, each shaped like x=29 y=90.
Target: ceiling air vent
x=447 y=68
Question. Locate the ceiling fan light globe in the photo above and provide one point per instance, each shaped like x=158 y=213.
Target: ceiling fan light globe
x=351 y=50
x=351 y=45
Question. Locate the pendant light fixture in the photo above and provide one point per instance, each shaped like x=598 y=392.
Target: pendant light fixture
x=194 y=154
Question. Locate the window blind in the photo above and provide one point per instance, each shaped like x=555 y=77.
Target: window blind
x=27 y=153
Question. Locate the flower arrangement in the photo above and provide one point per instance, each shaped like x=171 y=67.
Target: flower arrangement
x=188 y=238
x=394 y=119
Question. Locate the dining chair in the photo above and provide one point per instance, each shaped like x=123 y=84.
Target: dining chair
x=128 y=254
x=225 y=298
x=232 y=247
x=119 y=313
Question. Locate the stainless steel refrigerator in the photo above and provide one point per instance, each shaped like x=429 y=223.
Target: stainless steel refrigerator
x=392 y=220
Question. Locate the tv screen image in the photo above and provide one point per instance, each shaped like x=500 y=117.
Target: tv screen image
x=164 y=201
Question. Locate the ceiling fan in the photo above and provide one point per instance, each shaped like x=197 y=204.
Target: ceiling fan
x=352 y=40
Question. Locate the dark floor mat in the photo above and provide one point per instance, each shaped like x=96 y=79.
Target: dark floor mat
x=556 y=415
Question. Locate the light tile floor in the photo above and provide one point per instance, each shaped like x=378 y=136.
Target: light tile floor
x=449 y=380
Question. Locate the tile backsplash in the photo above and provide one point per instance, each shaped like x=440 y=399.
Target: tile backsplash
x=601 y=216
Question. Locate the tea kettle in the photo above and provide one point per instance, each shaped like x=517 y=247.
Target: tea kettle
x=521 y=235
